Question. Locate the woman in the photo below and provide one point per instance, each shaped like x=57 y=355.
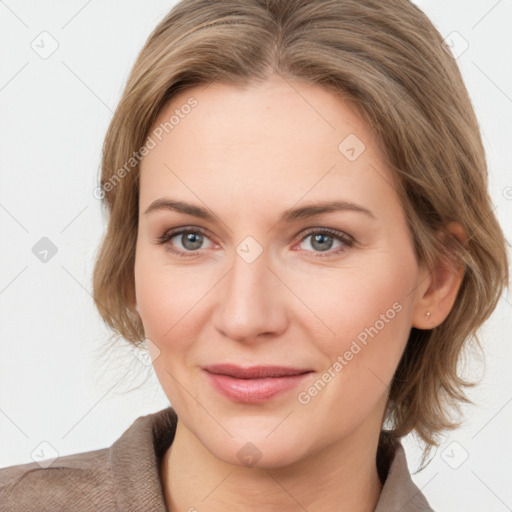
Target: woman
x=300 y=234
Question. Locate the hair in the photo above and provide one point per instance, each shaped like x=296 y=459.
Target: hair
x=388 y=60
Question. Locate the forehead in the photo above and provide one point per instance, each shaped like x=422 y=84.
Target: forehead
x=296 y=111
x=261 y=140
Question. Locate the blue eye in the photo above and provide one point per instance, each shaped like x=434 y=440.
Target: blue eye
x=322 y=240
x=192 y=240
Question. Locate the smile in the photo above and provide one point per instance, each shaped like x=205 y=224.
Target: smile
x=256 y=384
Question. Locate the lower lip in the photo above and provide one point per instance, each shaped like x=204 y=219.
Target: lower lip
x=253 y=391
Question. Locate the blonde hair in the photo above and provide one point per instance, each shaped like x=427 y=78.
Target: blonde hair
x=388 y=60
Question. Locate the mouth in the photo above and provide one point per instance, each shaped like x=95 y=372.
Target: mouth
x=255 y=384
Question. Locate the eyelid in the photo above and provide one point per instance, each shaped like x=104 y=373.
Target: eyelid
x=172 y=232
x=322 y=230
x=346 y=240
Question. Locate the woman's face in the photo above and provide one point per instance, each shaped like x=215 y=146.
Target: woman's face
x=293 y=252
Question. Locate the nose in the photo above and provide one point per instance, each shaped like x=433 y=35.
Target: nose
x=251 y=305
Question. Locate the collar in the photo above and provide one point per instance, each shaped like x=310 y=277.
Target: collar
x=135 y=461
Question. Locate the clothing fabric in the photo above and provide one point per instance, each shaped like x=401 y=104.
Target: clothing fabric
x=125 y=477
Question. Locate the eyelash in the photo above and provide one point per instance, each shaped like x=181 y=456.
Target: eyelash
x=346 y=240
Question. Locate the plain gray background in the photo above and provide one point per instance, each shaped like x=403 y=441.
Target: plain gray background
x=59 y=395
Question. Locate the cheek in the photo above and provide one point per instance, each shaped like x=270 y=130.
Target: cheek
x=169 y=299
x=369 y=310
x=367 y=306
x=159 y=294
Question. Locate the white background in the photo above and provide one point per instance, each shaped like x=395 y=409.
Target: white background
x=55 y=384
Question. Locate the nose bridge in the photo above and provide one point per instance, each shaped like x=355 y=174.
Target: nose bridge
x=250 y=303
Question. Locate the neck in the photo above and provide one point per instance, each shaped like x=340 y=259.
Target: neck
x=341 y=477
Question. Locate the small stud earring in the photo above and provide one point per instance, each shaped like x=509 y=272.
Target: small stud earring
x=428 y=315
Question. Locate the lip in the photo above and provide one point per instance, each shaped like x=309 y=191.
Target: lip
x=254 y=384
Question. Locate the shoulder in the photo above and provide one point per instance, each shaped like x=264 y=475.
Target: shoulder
x=399 y=492
x=124 y=476
x=81 y=481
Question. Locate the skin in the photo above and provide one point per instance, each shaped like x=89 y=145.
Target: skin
x=247 y=155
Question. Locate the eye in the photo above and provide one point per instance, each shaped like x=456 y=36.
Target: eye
x=188 y=241
x=322 y=240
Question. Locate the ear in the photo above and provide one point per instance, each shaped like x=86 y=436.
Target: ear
x=439 y=286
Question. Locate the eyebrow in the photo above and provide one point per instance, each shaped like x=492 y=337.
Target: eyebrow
x=290 y=215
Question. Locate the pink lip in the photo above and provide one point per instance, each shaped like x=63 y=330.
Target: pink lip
x=255 y=384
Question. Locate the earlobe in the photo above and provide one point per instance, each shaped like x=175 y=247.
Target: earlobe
x=441 y=285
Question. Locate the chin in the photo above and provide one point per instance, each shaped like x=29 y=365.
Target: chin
x=254 y=450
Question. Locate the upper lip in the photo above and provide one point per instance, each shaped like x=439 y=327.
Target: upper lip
x=254 y=372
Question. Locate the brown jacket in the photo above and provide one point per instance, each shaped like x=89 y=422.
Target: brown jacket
x=125 y=477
